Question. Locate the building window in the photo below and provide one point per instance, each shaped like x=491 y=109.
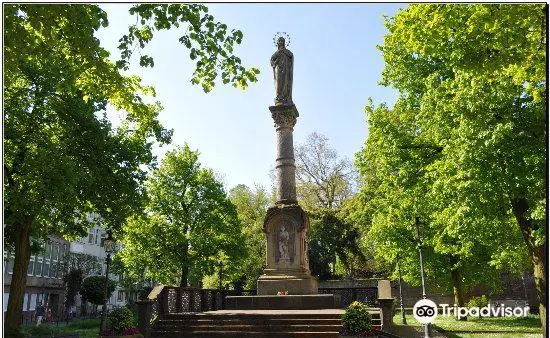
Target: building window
x=91 y=236
x=5 y=301
x=47 y=268
x=55 y=253
x=96 y=236
x=39 y=266
x=48 y=245
x=26 y=302
x=30 y=269
x=120 y=296
x=5 y=262
x=11 y=263
x=32 y=307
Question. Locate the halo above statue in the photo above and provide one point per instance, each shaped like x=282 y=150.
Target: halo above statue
x=281 y=35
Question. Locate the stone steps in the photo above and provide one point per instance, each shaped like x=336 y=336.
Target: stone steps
x=239 y=334
x=314 y=324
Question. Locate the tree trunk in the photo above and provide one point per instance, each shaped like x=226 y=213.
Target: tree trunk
x=18 y=280
x=184 y=274
x=520 y=206
x=185 y=264
x=458 y=287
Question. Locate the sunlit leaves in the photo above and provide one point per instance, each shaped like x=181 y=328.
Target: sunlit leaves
x=466 y=136
x=189 y=223
x=210 y=44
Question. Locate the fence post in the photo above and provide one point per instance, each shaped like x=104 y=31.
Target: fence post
x=144 y=308
x=386 y=304
x=178 y=300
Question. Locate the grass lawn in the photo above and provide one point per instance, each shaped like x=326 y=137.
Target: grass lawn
x=88 y=328
x=511 y=327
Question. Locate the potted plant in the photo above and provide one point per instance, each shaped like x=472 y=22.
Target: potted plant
x=121 y=323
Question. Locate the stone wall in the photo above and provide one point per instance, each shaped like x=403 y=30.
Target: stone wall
x=513 y=287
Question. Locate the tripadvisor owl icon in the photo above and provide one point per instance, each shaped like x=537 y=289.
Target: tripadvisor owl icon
x=425 y=311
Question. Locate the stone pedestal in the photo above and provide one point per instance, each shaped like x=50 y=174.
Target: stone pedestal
x=290 y=302
x=386 y=312
x=287 y=269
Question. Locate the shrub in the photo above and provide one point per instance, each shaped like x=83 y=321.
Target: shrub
x=478 y=302
x=357 y=319
x=93 y=289
x=120 y=319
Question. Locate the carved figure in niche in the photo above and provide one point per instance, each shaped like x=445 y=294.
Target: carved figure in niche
x=283 y=244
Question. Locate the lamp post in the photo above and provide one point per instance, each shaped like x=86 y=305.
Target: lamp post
x=109 y=245
x=419 y=231
x=403 y=319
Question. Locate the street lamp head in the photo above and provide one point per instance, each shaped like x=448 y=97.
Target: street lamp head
x=109 y=243
x=419 y=228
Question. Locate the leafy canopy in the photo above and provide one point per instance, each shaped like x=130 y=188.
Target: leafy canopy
x=251 y=207
x=210 y=43
x=189 y=224
x=62 y=158
x=465 y=139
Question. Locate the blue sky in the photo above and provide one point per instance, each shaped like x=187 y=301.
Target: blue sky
x=337 y=67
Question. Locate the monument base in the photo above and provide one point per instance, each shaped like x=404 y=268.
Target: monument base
x=288 y=302
x=273 y=281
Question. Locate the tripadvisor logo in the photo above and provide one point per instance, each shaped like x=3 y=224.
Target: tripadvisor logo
x=425 y=311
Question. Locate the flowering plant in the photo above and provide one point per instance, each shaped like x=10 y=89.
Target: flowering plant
x=282 y=293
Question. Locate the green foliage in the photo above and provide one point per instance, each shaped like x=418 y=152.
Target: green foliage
x=121 y=318
x=188 y=227
x=86 y=328
x=144 y=292
x=93 y=289
x=325 y=182
x=73 y=282
x=62 y=157
x=210 y=43
x=87 y=264
x=251 y=206
x=478 y=302
x=331 y=239
x=463 y=146
x=356 y=319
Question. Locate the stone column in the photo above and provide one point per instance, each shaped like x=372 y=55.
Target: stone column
x=286 y=224
x=285 y=119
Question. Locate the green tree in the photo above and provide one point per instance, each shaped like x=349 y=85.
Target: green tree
x=189 y=224
x=464 y=146
x=325 y=182
x=62 y=157
x=75 y=266
x=252 y=205
x=93 y=289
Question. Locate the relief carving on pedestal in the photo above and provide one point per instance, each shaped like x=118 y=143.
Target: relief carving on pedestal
x=285 y=244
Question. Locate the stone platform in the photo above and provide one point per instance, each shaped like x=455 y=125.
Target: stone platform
x=288 y=302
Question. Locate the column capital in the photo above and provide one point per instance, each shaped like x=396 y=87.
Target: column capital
x=284 y=115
